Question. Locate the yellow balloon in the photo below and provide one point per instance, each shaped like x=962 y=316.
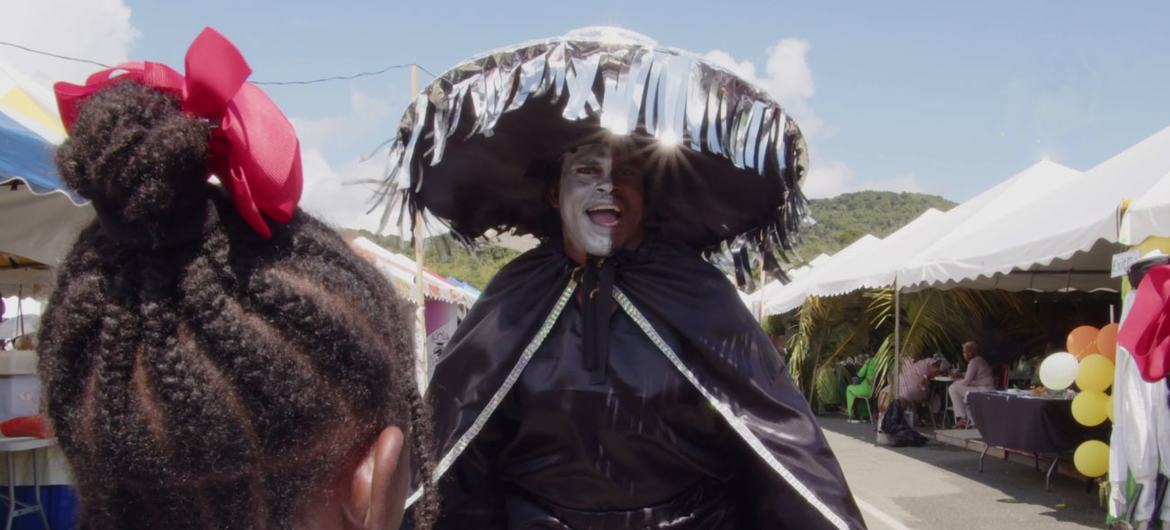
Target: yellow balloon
x=1088 y=408
x=1092 y=458
x=1095 y=373
x=1109 y=407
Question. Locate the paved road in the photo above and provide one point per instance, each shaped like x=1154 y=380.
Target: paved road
x=940 y=487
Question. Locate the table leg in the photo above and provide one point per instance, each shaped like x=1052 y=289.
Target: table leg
x=1037 y=456
x=983 y=454
x=11 y=491
x=946 y=405
x=37 y=490
x=1048 y=477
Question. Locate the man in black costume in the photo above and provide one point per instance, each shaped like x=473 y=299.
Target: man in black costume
x=611 y=378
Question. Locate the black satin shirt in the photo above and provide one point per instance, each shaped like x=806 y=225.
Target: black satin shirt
x=640 y=450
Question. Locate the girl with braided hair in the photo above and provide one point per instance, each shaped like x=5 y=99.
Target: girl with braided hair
x=205 y=367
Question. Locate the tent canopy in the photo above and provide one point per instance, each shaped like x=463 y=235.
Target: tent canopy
x=29 y=130
x=1070 y=230
x=1047 y=228
x=40 y=218
x=888 y=262
x=777 y=298
x=401 y=270
x=975 y=222
x=1149 y=215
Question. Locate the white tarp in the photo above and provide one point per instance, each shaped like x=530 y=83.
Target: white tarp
x=402 y=269
x=874 y=267
x=36 y=222
x=39 y=227
x=882 y=265
x=1069 y=229
x=777 y=299
x=1149 y=215
x=977 y=220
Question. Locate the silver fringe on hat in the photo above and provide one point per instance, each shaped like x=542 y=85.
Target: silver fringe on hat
x=630 y=85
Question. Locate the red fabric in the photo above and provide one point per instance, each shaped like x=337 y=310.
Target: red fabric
x=1145 y=334
x=254 y=148
x=34 y=426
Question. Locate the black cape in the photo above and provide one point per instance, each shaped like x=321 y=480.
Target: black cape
x=794 y=482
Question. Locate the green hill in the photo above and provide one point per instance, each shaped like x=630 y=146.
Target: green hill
x=841 y=220
x=448 y=257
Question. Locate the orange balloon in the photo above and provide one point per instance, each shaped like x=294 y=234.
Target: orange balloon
x=1082 y=341
x=1107 y=341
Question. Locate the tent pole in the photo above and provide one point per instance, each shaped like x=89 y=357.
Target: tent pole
x=420 y=312
x=897 y=337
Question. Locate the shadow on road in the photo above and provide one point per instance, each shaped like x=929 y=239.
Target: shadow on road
x=1008 y=483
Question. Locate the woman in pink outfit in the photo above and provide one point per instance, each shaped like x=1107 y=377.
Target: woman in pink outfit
x=978 y=378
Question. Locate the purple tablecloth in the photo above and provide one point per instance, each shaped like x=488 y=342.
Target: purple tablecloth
x=1026 y=423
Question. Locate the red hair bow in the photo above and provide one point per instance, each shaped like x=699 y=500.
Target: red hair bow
x=254 y=148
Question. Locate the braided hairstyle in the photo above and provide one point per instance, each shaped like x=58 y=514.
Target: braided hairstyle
x=197 y=375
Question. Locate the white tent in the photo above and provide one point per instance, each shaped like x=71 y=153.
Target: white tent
x=1070 y=233
x=402 y=271
x=38 y=220
x=39 y=226
x=980 y=220
x=872 y=268
x=776 y=298
x=888 y=262
x=1149 y=215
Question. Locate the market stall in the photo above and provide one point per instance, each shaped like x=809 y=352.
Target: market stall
x=1035 y=424
x=39 y=220
x=446 y=301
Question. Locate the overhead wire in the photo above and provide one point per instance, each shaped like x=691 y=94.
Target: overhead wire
x=267 y=83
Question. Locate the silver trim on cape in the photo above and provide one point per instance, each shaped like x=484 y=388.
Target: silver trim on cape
x=630 y=309
x=466 y=438
x=734 y=421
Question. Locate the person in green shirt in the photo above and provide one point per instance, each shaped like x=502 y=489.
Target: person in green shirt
x=863 y=388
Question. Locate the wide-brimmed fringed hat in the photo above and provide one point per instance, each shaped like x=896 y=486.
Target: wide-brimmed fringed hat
x=477 y=148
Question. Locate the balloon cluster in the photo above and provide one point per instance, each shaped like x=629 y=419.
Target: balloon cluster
x=1089 y=363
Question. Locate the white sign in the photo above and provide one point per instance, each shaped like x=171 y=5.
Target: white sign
x=1122 y=261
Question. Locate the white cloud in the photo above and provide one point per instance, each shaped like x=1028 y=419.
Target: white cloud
x=99 y=30
x=342 y=197
x=827 y=180
x=346 y=197
x=835 y=178
x=342 y=193
x=787 y=78
x=366 y=113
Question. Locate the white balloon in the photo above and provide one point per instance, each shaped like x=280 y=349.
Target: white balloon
x=1059 y=370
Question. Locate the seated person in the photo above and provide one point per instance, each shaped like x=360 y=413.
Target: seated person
x=913 y=381
x=863 y=385
x=977 y=378
x=199 y=374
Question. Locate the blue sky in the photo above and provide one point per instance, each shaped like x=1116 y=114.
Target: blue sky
x=947 y=99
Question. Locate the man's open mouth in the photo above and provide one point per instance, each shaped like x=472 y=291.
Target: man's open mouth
x=607 y=215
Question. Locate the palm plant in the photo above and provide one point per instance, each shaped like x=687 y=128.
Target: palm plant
x=934 y=320
x=828 y=330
